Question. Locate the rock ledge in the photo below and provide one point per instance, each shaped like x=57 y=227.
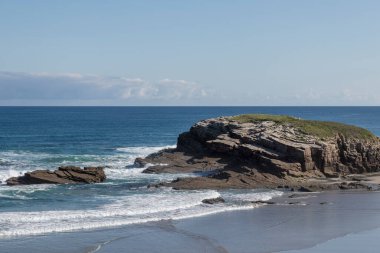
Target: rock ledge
x=63 y=175
x=268 y=151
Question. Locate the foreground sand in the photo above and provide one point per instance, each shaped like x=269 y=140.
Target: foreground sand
x=314 y=222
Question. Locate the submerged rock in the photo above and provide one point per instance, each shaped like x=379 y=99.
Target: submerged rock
x=64 y=175
x=304 y=189
x=263 y=202
x=213 y=201
x=325 y=203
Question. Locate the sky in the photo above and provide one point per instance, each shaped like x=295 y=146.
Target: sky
x=196 y=52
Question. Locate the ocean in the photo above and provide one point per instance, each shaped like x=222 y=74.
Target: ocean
x=48 y=137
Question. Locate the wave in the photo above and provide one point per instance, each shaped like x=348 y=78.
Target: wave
x=23 y=192
x=129 y=202
x=144 y=150
x=241 y=196
x=157 y=205
x=16 y=163
x=5 y=174
x=114 y=173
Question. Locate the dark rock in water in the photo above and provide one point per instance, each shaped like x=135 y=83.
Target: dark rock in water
x=140 y=163
x=263 y=202
x=213 y=201
x=353 y=185
x=304 y=189
x=64 y=175
x=301 y=195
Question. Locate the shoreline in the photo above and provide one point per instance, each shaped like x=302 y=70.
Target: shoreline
x=271 y=228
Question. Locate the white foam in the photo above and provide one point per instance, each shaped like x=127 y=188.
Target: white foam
x=16 y=163
x=251 y=195
x=143 y=151
x=5 y=174
x=135 y=207
x=113 y=173
x=157 y=205
x=123 y=173
x=22 y=192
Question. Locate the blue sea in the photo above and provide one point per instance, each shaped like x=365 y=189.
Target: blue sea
x=48 y=137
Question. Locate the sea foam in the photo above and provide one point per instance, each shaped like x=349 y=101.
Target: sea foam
x=123 y=199
x=16 y=163
x=161 y=204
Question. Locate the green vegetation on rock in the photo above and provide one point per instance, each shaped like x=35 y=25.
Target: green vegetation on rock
x=321 y=129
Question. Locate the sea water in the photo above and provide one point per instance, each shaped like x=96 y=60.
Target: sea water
x=47 y=137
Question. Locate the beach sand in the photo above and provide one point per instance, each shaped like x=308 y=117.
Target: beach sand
x=308 y=222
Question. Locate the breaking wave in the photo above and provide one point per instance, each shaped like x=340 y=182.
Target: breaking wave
x=162 y=204
x=123 y=199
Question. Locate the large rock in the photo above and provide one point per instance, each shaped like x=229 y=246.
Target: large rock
x=64 y=175
x=266 y=152
x=267 y=141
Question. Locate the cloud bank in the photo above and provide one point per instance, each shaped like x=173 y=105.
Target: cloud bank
x=17 y=88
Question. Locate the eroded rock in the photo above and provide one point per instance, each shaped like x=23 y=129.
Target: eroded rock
x=63 y=175
x=263 y=154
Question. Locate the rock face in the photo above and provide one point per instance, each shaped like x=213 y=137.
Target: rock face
x=64 y=175
x=282 y=147
x=262 y=153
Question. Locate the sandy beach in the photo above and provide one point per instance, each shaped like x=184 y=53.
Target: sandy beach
x=306 y=222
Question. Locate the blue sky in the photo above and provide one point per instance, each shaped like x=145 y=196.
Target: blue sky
x=206 y=52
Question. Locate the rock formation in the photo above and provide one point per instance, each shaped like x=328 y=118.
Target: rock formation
x=266 y=151
x=64 y=175
x=213 y=201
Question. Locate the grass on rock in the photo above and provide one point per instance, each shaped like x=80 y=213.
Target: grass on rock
x=321 y=129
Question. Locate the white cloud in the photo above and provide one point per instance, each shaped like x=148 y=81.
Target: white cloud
x=71 y=87
x=178 y=89
x=18 y=88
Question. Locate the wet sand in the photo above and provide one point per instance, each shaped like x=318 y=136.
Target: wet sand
x=323 y=222
x=365 y=241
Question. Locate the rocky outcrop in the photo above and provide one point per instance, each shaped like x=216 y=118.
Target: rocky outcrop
x=213 y=201
x=63 y=175
x=263 y=153
x=282 y=146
